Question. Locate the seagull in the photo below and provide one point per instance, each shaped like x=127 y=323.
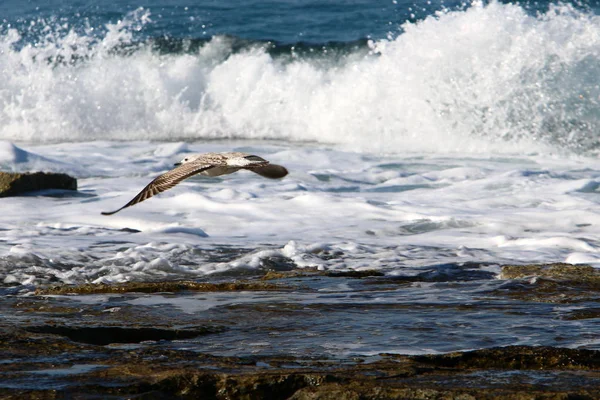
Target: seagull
x=208 y=164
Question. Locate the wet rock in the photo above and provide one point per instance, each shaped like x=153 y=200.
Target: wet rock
x=354 y=391
x=583 y=314
x=308 y=272
x=354 y=274
x=556 y=271
x=267 y=385
x=34 y=306
x=14 y=184
x=297 y=273
x=543 y=290
x=551 y=283
x=158 y=287
x=278 y=264
x=517 y=358
x=514 y=372
x=50 y=342
x=103 y=335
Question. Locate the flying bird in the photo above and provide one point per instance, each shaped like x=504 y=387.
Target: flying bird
x=208 y=164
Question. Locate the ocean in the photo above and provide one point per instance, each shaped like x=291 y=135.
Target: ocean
x=431 y=142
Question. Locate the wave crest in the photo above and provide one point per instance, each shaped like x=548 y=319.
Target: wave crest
x=488 y=78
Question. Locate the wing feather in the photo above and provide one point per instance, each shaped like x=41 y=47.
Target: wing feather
x=164 y=182
x=271 y=171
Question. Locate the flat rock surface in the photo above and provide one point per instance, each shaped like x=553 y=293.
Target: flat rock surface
x=273 y=338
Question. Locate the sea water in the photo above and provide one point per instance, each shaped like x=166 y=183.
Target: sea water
x=420 y=138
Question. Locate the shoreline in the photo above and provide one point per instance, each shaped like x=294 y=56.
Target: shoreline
x=135 y=340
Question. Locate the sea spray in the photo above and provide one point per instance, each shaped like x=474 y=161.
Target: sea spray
x=488 y=78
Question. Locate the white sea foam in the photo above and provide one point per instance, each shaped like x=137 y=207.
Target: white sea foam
x=15 y=158
x=410 y=175
x=400 y=214
x=490 y=78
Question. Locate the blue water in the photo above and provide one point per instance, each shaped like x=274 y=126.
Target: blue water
x=290 y=21
x=283 y=21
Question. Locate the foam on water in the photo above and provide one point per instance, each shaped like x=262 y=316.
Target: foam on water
x=488 y=78
x=428 y=112
x=13 y=157
x=401 y=214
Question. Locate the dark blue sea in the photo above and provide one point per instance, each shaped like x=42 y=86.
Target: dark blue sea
x=286 y=22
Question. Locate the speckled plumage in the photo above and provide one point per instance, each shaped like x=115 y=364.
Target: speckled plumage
x=209 y=164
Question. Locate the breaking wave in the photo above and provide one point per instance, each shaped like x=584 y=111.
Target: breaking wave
x=492 y=77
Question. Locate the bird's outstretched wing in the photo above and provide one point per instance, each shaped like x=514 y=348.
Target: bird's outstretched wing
x=271 y=171
x=164 y=182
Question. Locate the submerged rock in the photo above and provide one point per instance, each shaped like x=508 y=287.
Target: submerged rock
x=516 y=358
x=551 y=283
x=14 y=184
x=103 y=335
x=133 y=345
x=557 y=271
x=354 y=274
x=159 y=287
x=152 y=371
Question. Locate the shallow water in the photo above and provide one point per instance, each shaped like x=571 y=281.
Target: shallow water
x=326 y=318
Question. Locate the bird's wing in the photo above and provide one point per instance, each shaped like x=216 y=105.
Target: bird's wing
x=271 y=171
x=165 y=181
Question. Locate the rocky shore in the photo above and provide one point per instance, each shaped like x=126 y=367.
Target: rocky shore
x=16 y=184
x=55 y=345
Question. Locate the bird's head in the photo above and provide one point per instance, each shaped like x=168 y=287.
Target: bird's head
x=187 y=159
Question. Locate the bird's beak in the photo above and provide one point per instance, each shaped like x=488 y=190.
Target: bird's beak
x=177 y=164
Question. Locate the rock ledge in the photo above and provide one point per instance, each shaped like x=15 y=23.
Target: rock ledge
x=15 y=184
